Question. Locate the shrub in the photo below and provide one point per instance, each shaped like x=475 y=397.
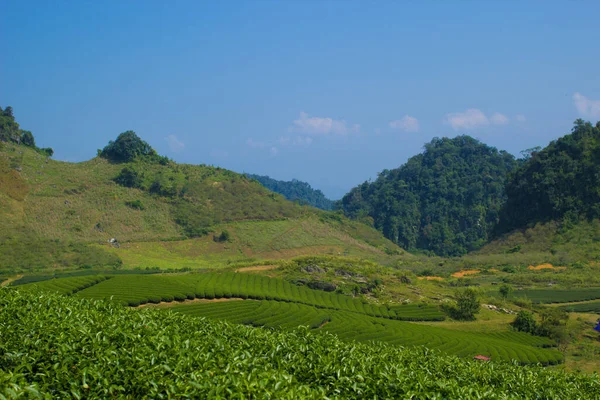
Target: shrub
x=467 y=305
x=223 y=237
x=525 y=322
x=135 y=204
x=130 y=177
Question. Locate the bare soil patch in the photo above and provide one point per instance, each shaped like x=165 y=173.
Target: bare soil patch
x=544 y=266
x=465 y=272
x=257 y=268
x=430 y=278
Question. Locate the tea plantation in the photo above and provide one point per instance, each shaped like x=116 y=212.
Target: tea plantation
x=134 y=290
x=507 y=346
x=559 y=295
x=275 y=303
x=65 y=347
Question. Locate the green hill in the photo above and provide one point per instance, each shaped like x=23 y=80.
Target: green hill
x=553 y=201
x=560 y=181
x=444 y=201
x=295 y=190
x=59 y=214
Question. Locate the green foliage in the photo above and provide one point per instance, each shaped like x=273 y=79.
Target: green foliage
x=127 y=148
x=505 y=291
x=295 y=190
x=558 y=182
x=27 y=139
x=130 y=177
x=466 y=307
x=224 y=236
x=445 y=201
x=553 y=324
x=55 y=346
x=525 y=322
x=135 y=204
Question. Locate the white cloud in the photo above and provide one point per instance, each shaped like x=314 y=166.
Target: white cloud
x=273 y=151
x=586 y=107
x=520 y=118
x=174 y=143
x=474 y=118
x=499 y=119
x=321 y=125
x=470 y=119
x=407 y=124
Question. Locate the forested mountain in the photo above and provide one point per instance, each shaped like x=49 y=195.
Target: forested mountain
x=295 y=190
x=445 y=201
x=560 y=181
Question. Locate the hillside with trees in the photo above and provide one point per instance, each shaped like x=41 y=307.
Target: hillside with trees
x=295 y=190
x=562 y=181
x=445 y=201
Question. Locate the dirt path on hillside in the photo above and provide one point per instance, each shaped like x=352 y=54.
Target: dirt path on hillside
x=10 y=280
x=166 y=304
x=257 y=268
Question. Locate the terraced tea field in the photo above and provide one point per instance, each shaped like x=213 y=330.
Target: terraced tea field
x=350 y=326
x=134 y=290
x=68 y=285
x=276 y=303
x=591 y=307
x=548 y=296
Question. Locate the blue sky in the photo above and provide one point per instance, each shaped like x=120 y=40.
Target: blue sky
x=329 y=92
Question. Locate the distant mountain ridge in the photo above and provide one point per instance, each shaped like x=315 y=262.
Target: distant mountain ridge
x=295 y=190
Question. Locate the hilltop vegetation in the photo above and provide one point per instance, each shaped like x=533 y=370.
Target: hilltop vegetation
x=98 y=350
x=295 y=190
x=460 y=195
x=445 y=201
x=561 y=181
x=10 y=131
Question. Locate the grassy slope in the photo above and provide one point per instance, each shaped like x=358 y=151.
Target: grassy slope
x=79 y=202
x=555 y=242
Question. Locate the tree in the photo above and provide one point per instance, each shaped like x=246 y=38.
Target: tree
x=505 y=291
x=467 y=305
x=126 y=148
x=27 y=139
x=525 y=322
x=8 y=112
x=48 y=151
